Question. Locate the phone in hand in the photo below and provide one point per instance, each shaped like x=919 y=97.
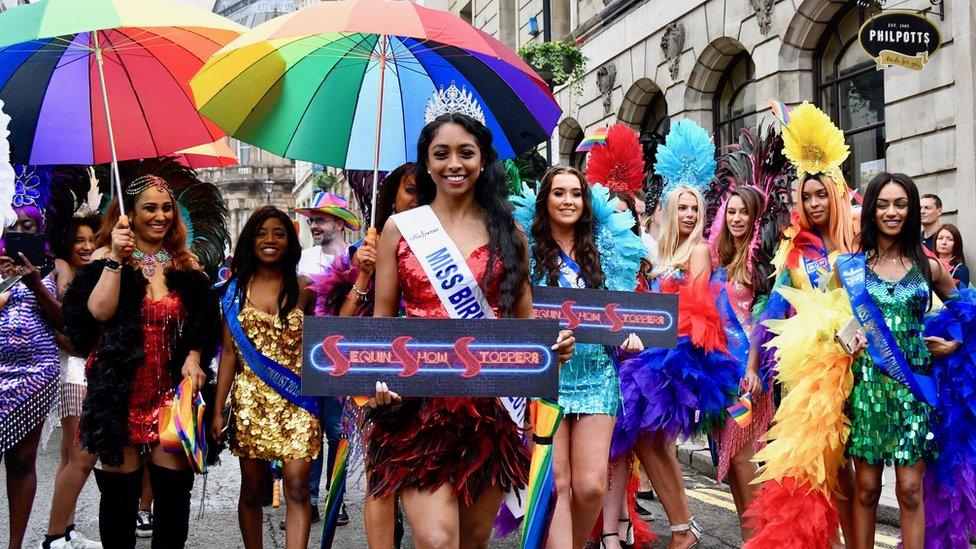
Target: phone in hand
x=846 y=335
x=31 y=245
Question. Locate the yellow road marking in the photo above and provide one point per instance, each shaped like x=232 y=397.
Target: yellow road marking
x=705 y=498
x=716 y=492
x=881 y=540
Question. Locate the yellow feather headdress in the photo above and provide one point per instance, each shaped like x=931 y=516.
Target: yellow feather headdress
x=814 y=144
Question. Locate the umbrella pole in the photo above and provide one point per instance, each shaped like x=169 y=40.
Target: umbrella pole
x=116 y=180
x=379 y=131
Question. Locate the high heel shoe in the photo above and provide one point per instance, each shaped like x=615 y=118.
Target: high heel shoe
x=690 y=526
x=607 y=535
x=627 y=540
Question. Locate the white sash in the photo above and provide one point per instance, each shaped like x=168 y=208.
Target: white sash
x=459 y=292
x=443 y=263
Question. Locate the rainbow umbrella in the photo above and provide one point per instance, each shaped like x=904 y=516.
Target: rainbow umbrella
x=346 y=84
x=210 y=155
x=337 y=488
x=541 y=491
x=598 y=137
x=184 y=431
x=74 y=73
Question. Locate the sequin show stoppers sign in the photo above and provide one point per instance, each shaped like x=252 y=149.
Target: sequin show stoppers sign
x=607 y=317
x=430 y=357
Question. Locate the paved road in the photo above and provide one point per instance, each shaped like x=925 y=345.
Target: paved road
x=217 y=528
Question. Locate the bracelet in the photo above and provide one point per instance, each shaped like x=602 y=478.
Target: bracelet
x=361 y=295
x=112 y=265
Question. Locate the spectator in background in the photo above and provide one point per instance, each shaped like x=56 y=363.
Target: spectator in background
x=948 y=246
x=931 y=212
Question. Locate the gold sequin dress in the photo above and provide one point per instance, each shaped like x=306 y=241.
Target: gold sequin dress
x=265 y=424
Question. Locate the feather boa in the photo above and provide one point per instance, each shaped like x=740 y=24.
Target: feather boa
x=620 y=249
x=794 y=506
x=117 y=348
x=950 y=481
x=684 y=390
x=332 y=285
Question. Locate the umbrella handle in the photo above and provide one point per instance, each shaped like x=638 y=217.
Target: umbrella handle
x=116 y=180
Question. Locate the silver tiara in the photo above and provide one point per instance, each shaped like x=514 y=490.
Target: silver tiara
x=453 y=101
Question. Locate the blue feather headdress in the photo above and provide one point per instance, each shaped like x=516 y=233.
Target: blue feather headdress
x=686 y=158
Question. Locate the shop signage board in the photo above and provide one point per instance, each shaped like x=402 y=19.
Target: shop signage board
x=901 y=38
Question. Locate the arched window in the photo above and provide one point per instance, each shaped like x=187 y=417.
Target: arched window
x=851 y=91
x=734 y=105
x=655 y=118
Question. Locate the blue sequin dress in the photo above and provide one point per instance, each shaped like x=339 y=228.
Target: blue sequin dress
x=588 y=382
x=29 y=365
x=888 y=424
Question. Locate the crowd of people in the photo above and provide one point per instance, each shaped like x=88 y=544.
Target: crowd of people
x=771 y=257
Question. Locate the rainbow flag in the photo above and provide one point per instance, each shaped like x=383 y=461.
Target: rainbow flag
x=337 y=489
x=780 y=111
x=183 y=431
x=741 y=411
x=541 y=492
x=598 y=137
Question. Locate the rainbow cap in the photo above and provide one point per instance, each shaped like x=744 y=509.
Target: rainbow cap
x=331 y=204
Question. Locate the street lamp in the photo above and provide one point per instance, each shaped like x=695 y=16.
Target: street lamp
x=269 y=188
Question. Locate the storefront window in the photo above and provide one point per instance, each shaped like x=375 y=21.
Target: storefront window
x=735 y=100
x=851 y=91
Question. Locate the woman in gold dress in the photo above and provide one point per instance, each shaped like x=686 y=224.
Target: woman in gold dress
x=263 y=303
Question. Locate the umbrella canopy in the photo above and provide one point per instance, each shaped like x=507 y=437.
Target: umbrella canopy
x=211 y=155
x=50 y=82
x=310 y=84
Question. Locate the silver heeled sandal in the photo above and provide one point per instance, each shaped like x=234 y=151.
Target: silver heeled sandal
x=691 y=526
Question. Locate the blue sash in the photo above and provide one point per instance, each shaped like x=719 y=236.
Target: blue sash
x=278 y=377
x=738 y=341
x=882 y=346
x=569 y=272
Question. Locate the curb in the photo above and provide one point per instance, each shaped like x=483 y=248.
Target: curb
x=695 y=454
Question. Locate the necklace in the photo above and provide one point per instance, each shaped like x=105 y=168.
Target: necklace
x=148 y=262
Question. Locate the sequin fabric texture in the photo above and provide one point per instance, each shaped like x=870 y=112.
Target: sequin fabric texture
x=888 y=424
x=588 y=382
x=265 y=424
x=153 y=385
x=28 y=365
x=73 y=386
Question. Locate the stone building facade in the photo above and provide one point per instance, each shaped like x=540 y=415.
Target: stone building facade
x=718 y=61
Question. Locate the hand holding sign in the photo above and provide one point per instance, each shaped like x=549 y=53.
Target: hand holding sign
x=384 y=396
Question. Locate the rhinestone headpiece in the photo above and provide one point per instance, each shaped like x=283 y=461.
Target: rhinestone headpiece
x=143 y=182
x=453 y=100
x=27 y=187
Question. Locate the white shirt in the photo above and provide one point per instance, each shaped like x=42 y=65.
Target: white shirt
x=314 y=261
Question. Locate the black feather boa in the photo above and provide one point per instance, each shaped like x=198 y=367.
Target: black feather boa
x=117 y=346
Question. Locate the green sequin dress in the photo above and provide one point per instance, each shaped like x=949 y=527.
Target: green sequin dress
x=888 y=424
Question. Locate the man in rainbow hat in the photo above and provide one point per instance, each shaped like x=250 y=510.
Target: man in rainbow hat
x=327 y=217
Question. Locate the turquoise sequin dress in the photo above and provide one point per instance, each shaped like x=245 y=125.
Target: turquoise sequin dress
x=888 y=424
x=589 y=382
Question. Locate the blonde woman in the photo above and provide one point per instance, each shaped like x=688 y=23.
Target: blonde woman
x=682 y=391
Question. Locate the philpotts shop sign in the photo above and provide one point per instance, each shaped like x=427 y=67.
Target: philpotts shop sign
x=899 y=38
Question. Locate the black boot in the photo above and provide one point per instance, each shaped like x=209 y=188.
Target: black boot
x=118 y=506
x=171 y=502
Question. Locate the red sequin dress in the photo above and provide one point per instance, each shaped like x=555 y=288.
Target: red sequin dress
x=153 y=385
x=470 y=443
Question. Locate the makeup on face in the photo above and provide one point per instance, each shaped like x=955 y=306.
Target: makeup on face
x=454 y=160
x=565 y=201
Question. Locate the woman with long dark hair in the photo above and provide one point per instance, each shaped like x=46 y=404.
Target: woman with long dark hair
x=346 y=289
x=263 y=304
x=147 y=316
x=81 y=240
x=451 y=459
x=578 y=239
x=948 y=246
x=890 y=424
